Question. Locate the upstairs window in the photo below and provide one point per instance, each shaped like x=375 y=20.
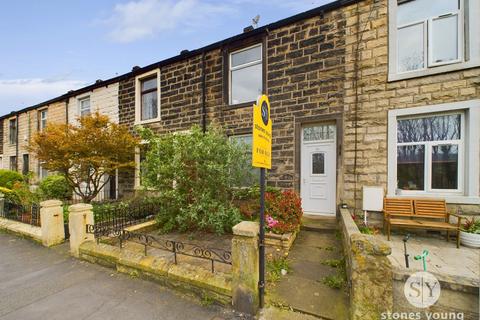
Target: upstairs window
x=13 y=131
x=84 y=106
x=428 y=33
x=149 y=101
x=147 y=97
x=42 y=119
x=428 y=37
x=245 y=75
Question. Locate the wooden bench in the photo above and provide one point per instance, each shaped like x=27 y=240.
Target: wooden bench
x=419 y=213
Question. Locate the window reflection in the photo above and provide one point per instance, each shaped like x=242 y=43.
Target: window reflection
x=411 y=167
x=436 y=128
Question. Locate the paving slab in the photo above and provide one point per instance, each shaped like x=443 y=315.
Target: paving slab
x=444 y=258
x=302 y=289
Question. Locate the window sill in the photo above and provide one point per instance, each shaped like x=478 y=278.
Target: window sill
x=449 y=198
x=434 y=70
x=240 y=105
x=140 y=122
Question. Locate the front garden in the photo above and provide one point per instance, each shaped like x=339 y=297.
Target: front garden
x=193 y=194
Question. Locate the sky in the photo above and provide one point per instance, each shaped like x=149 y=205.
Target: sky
x=49 y=47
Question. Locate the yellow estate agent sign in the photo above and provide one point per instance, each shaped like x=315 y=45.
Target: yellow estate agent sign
x=262 y=134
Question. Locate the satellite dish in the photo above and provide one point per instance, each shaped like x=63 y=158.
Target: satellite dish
x=255 y=21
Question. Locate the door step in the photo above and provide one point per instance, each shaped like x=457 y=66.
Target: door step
x=319 y=224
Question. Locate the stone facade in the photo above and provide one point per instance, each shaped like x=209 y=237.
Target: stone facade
x=367 y=33
x=28 y=124
x=102 y=99
x=330 y=67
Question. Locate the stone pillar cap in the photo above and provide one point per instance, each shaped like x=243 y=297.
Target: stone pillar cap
x=246 y=229
x=51 y=203
x=80 y=207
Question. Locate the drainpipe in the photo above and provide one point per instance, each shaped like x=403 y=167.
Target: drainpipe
x=66 y=111
x=204 y=106
x=18 y=142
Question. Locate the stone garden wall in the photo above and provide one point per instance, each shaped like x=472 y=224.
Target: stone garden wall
x=369 y=271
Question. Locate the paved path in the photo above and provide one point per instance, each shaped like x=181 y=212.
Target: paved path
x=40 y=283
x=303 y=288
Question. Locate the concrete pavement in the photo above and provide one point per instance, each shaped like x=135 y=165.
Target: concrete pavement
x=40 y=283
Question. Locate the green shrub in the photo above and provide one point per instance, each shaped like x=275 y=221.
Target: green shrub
x=22 y=194
x=9 y=177
x=55 y=187
x=194 y=174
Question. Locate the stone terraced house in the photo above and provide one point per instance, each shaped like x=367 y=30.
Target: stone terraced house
x=17 y=128
x=363 y=93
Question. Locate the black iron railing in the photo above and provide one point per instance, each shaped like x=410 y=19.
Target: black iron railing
x=111 y=218
x=29 y=214
x=177 y=247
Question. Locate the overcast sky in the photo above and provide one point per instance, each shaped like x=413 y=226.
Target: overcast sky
x=51 y=46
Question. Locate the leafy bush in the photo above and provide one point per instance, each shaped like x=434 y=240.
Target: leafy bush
x=247 y=200
x=194 y=174
x=9 y=177
x=55 y=187
x=22 y=194
x=283 y=211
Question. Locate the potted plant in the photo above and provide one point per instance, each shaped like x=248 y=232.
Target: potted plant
x=470 y=233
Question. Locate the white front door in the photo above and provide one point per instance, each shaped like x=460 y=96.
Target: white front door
x=318 y=169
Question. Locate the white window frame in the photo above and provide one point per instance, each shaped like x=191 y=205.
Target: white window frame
x=83 y=98
x=245 y=65
x=138 y=97
x=469 y=166
x=469 y=43
x=43 y=119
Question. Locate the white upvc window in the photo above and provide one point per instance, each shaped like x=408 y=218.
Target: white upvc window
x=84 y=108
x=42 y=119
x=147 y=97
x=433 y=151
x=245 y=75
x=430 y=152
x=428 y=37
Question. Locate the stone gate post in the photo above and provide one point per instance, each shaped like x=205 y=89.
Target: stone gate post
x=78 y=217
x=51 y=222
x=245 y=258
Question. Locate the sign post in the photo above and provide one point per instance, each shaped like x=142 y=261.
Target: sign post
x=262 y=158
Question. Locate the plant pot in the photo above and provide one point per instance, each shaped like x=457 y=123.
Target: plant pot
x=471 y=240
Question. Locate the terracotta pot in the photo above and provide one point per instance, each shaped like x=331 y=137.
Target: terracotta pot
x=471 y=240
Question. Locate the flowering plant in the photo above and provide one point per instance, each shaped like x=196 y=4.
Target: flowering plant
x=283 y=211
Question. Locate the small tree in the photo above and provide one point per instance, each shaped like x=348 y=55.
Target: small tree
x=85 y=154
x=194 y=174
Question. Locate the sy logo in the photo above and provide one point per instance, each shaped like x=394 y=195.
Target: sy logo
x=422 y=289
